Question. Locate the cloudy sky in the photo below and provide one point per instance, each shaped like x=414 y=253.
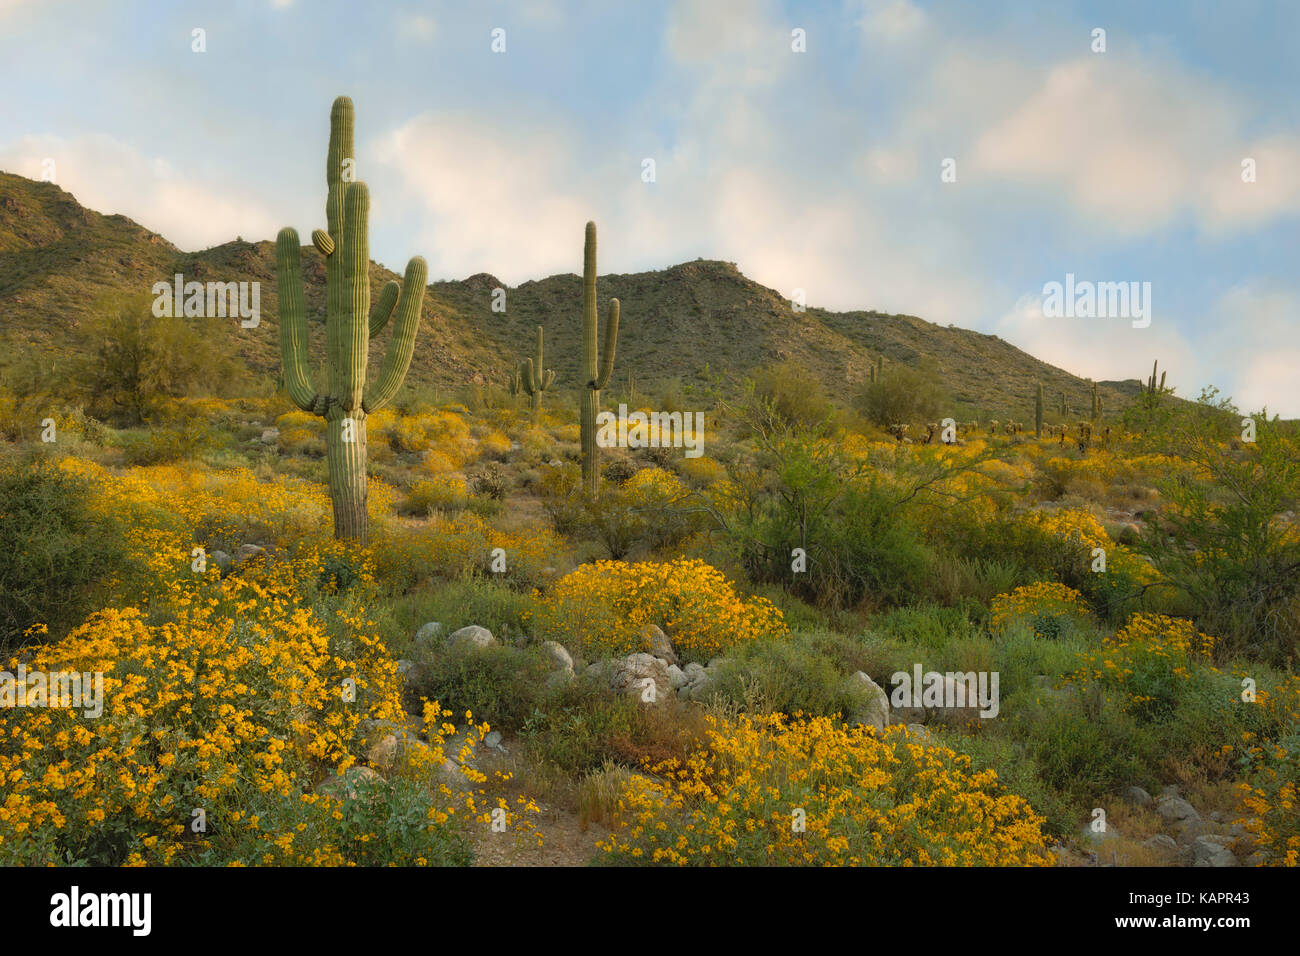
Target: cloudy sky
x=819 y=170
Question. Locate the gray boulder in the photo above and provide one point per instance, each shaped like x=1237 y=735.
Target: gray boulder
x=428 y=633
x=472 y=636
x=630 y=674
x=870 y=707
x=1137 y=796
x=1206 y=851
x=655 y=642
x=1177 y=809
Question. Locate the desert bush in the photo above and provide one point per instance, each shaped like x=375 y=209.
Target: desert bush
x=135 y=360
x=902 y=395
x=599 y=608
x=1222 y=543
x=57 y=553
x=865 y=800
x=501 y=684
x=788 y=676
x=1048 y=609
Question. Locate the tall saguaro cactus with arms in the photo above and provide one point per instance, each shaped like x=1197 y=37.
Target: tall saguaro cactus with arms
x=349 y=324
x=596 y=367
x=534 y=377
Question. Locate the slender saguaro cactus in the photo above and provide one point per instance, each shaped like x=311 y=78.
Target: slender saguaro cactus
x=596 y=367
x=533 y=379
x=1096 y=403
x=1038 y=412
x=346 y=401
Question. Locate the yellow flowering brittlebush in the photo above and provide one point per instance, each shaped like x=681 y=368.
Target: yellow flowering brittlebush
x=1147 y=664
x=226 y=700
x=601 y=607
x=1045 y=607
x=771 y=791
x=1270 y=796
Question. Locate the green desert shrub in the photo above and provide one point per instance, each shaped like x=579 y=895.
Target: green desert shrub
x=56 y=554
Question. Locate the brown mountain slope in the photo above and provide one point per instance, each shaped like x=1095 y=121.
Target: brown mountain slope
x=686 y=322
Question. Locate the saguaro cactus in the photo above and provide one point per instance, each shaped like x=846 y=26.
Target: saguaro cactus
x=1096 y=403
x=596 y=367
x=1038 y=412
x=532 y=377
x=346 y=401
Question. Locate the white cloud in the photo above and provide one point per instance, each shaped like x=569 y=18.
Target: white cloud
x=891 y=20
x=496 y=202
x=110 y=176
x=1134 y=144
x=417 y=27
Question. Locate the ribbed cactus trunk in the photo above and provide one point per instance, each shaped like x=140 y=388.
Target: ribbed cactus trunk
x=596 y=367
x=1038 y=412
x=1096 y=403
x=349 y=324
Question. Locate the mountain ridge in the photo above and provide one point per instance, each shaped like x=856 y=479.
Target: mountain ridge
x=685 y=322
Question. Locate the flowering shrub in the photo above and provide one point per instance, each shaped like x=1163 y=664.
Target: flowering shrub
x=234 y=708
x=601 y=607
x=460 y=546
x=767 y=791
x=1148 y=665
x=1269 y=753
x=1047 y=608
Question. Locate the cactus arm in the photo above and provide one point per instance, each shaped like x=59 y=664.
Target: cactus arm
x=607 y=353
x=383 y=309
x=526 y=374
x=548 y=379
x=293 y=322
x=402 y=345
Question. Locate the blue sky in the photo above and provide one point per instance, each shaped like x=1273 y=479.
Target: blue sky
x=817 y=170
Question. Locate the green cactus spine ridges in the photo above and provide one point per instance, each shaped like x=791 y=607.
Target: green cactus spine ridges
x=349 y=325
x=533 y=379
x=1038 y=412
x=596 y=366
x=1096 y=403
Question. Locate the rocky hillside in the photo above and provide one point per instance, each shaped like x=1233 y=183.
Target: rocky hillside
x=692 y=321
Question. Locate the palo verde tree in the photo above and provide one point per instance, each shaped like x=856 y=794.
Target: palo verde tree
x=349 y=324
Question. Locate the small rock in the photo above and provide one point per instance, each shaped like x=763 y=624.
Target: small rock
x=1162 y=842
x=493 y=740
x=221 y=560
x=247 y=552
x=1095 y=837
x=474 y=636
x=270 y=436
x=870 y=705
x=1206 y=852
x=630 y=674
x=559 y=655
x=922 y=731
x=677 y=677
x=1177 y=809
x=655 y=642
x=1137 y=796
x=428 y=632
